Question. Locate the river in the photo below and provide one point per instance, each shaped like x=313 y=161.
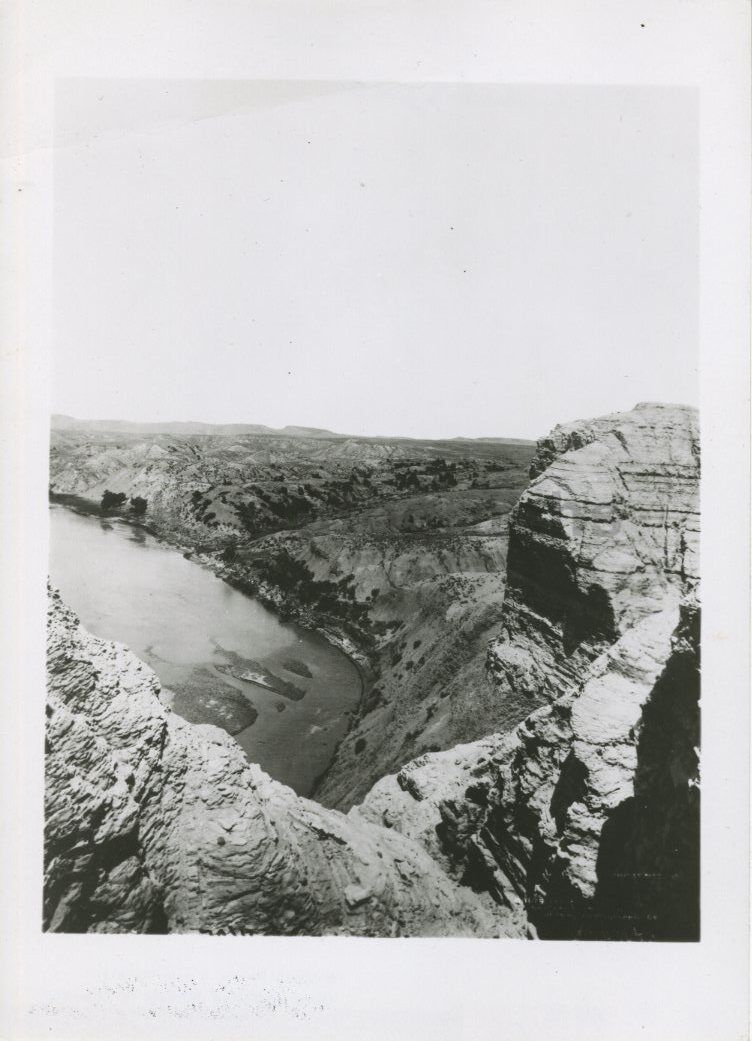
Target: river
x=222 y=657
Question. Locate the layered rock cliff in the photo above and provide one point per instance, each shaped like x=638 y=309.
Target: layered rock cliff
x=606 y=535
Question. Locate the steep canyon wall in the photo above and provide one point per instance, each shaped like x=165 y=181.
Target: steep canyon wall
x=586 y=814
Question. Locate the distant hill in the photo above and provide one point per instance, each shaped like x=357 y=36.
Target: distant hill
x=499 y=440
x=124 y=426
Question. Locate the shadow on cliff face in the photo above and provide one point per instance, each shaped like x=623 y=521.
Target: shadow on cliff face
x=649 y=859
x=544 y=579
x=85 y=882
x=569 y=788
x=648 y=865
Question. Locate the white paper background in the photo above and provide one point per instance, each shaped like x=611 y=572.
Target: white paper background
x=131 y=987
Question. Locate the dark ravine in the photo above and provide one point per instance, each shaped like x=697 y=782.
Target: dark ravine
x=573 y=811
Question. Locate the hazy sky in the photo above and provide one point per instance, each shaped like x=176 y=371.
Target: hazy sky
x=418 y=259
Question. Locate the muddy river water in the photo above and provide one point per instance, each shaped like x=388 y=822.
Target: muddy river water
x=221 y=656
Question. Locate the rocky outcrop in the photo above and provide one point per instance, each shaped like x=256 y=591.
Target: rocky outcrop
x=154 y=824
x=586 y=815
x=605 y=535
x=592 y=819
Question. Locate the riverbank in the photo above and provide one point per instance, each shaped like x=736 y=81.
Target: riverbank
x=366 y=669
x=242 y=583
x=90 y=508
x=234 y=576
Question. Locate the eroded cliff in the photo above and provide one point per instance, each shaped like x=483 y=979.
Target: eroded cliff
x=586 y=815
x=606 y=534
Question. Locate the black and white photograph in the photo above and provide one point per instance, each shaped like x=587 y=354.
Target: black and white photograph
x=374 y=568
x=433 y=677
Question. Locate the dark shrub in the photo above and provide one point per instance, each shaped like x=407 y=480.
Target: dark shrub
x=112 y=500
x=230 y=552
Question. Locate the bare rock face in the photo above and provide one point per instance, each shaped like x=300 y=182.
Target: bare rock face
x=585 y=817
x=605 y=535
x=154 y=824
x=412 y=800
x=592 y=815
